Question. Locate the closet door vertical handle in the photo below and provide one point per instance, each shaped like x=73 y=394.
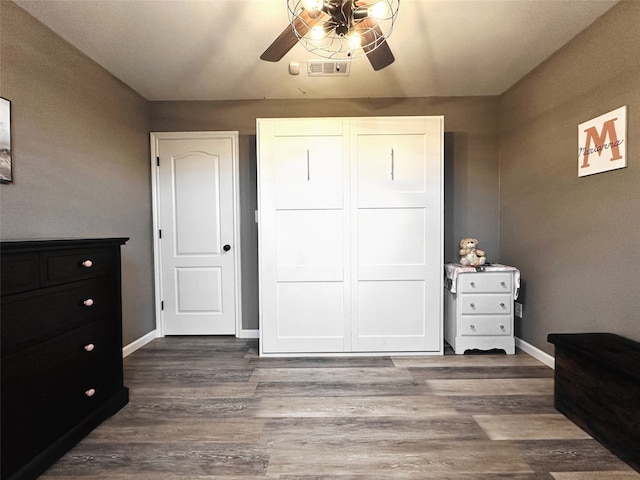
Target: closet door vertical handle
x=393 y=165
x=308 y=168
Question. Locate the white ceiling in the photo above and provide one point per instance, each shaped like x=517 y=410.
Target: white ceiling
x=209 y=49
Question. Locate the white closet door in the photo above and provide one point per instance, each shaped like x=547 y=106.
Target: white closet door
x=304 y=236
x=397 y=235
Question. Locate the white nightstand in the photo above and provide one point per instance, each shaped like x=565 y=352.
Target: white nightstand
x=479 y=307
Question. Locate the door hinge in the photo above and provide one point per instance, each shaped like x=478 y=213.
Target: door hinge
x=158 y=161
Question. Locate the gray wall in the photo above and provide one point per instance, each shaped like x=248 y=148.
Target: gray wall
x=574 y=239
x=80 y=153
x=471 y=161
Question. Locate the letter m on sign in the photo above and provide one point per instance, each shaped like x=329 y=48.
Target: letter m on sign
x=602 y=143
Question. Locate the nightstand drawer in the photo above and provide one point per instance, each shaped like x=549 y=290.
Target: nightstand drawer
x=485 y=325
x=486 y=304
x=485 y=283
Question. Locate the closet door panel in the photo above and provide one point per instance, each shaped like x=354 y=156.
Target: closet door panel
x=391 y=170
x=397 y=217
x=310 y=317
x=391 y=236
x=309 y=172
x=304 y=235
x=310 y=245
x=392 y=315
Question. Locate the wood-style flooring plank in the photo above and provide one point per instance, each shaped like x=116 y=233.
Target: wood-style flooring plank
x=332 y=407
x=366 y=430
x=341 y=389
x=610 y=475
x=427 y=459
x=451 y=360
x=195 y=393
x=159 y=459
x=585 y=455
x=186 y=430
x=491 y=386
x=470 y=372
x=350 y=375
x=529 y=427
x=503 y=404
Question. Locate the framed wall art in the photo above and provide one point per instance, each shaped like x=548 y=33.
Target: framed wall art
x=5 y=141
x=602 y=143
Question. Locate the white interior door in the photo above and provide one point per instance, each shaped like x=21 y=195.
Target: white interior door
x=198 y=239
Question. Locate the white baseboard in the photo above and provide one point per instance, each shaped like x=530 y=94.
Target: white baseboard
x=139 y=343
x=249 y=333
x=536 y=353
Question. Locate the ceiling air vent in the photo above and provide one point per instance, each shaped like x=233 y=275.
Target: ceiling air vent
x=324 y=68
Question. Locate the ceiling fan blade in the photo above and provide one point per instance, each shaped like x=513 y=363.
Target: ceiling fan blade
x=287 y=39
x=374 y=44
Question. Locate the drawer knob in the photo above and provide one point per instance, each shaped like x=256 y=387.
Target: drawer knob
x=87 y=264
x=502 y=305
x=91 y=392
x=503 y=284
x=473 y=284
x=501 y=327
x=88 y=302
x=89 y=347
x=472 y=327
x=472 y=305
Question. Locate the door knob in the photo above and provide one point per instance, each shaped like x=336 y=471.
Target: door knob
x=226 y=248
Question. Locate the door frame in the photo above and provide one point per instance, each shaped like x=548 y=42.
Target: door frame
x=155 y=201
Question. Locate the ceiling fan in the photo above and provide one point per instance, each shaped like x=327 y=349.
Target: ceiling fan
x=338 y=29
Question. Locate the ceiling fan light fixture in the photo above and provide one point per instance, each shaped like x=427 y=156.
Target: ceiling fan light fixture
x=350 y=28
x=312 y=5
x=379 y=10
x=317 y=32
x=354 y=40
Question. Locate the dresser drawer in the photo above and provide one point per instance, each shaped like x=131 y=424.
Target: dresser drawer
x=485 y=283
x=50 y=387
x=72 y=355
x=34 y=316
x=19 y=273
x=485 y=325
x=71 y=265
x=486 y=304
x=31 y=423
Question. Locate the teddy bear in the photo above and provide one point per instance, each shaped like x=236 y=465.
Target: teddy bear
x=470 y=254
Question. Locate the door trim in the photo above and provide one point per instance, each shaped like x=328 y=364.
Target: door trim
x=155 y=187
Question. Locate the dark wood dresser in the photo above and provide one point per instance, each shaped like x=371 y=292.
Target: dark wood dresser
x=61 y=345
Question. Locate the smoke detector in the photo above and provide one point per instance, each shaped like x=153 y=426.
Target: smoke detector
x=328 y=68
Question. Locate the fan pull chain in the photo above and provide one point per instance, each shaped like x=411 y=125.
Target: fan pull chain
x=393 y=169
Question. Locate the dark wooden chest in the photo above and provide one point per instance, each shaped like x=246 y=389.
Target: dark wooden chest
x=597 y=386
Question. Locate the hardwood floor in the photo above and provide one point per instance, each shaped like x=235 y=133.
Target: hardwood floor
x=210 y=408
